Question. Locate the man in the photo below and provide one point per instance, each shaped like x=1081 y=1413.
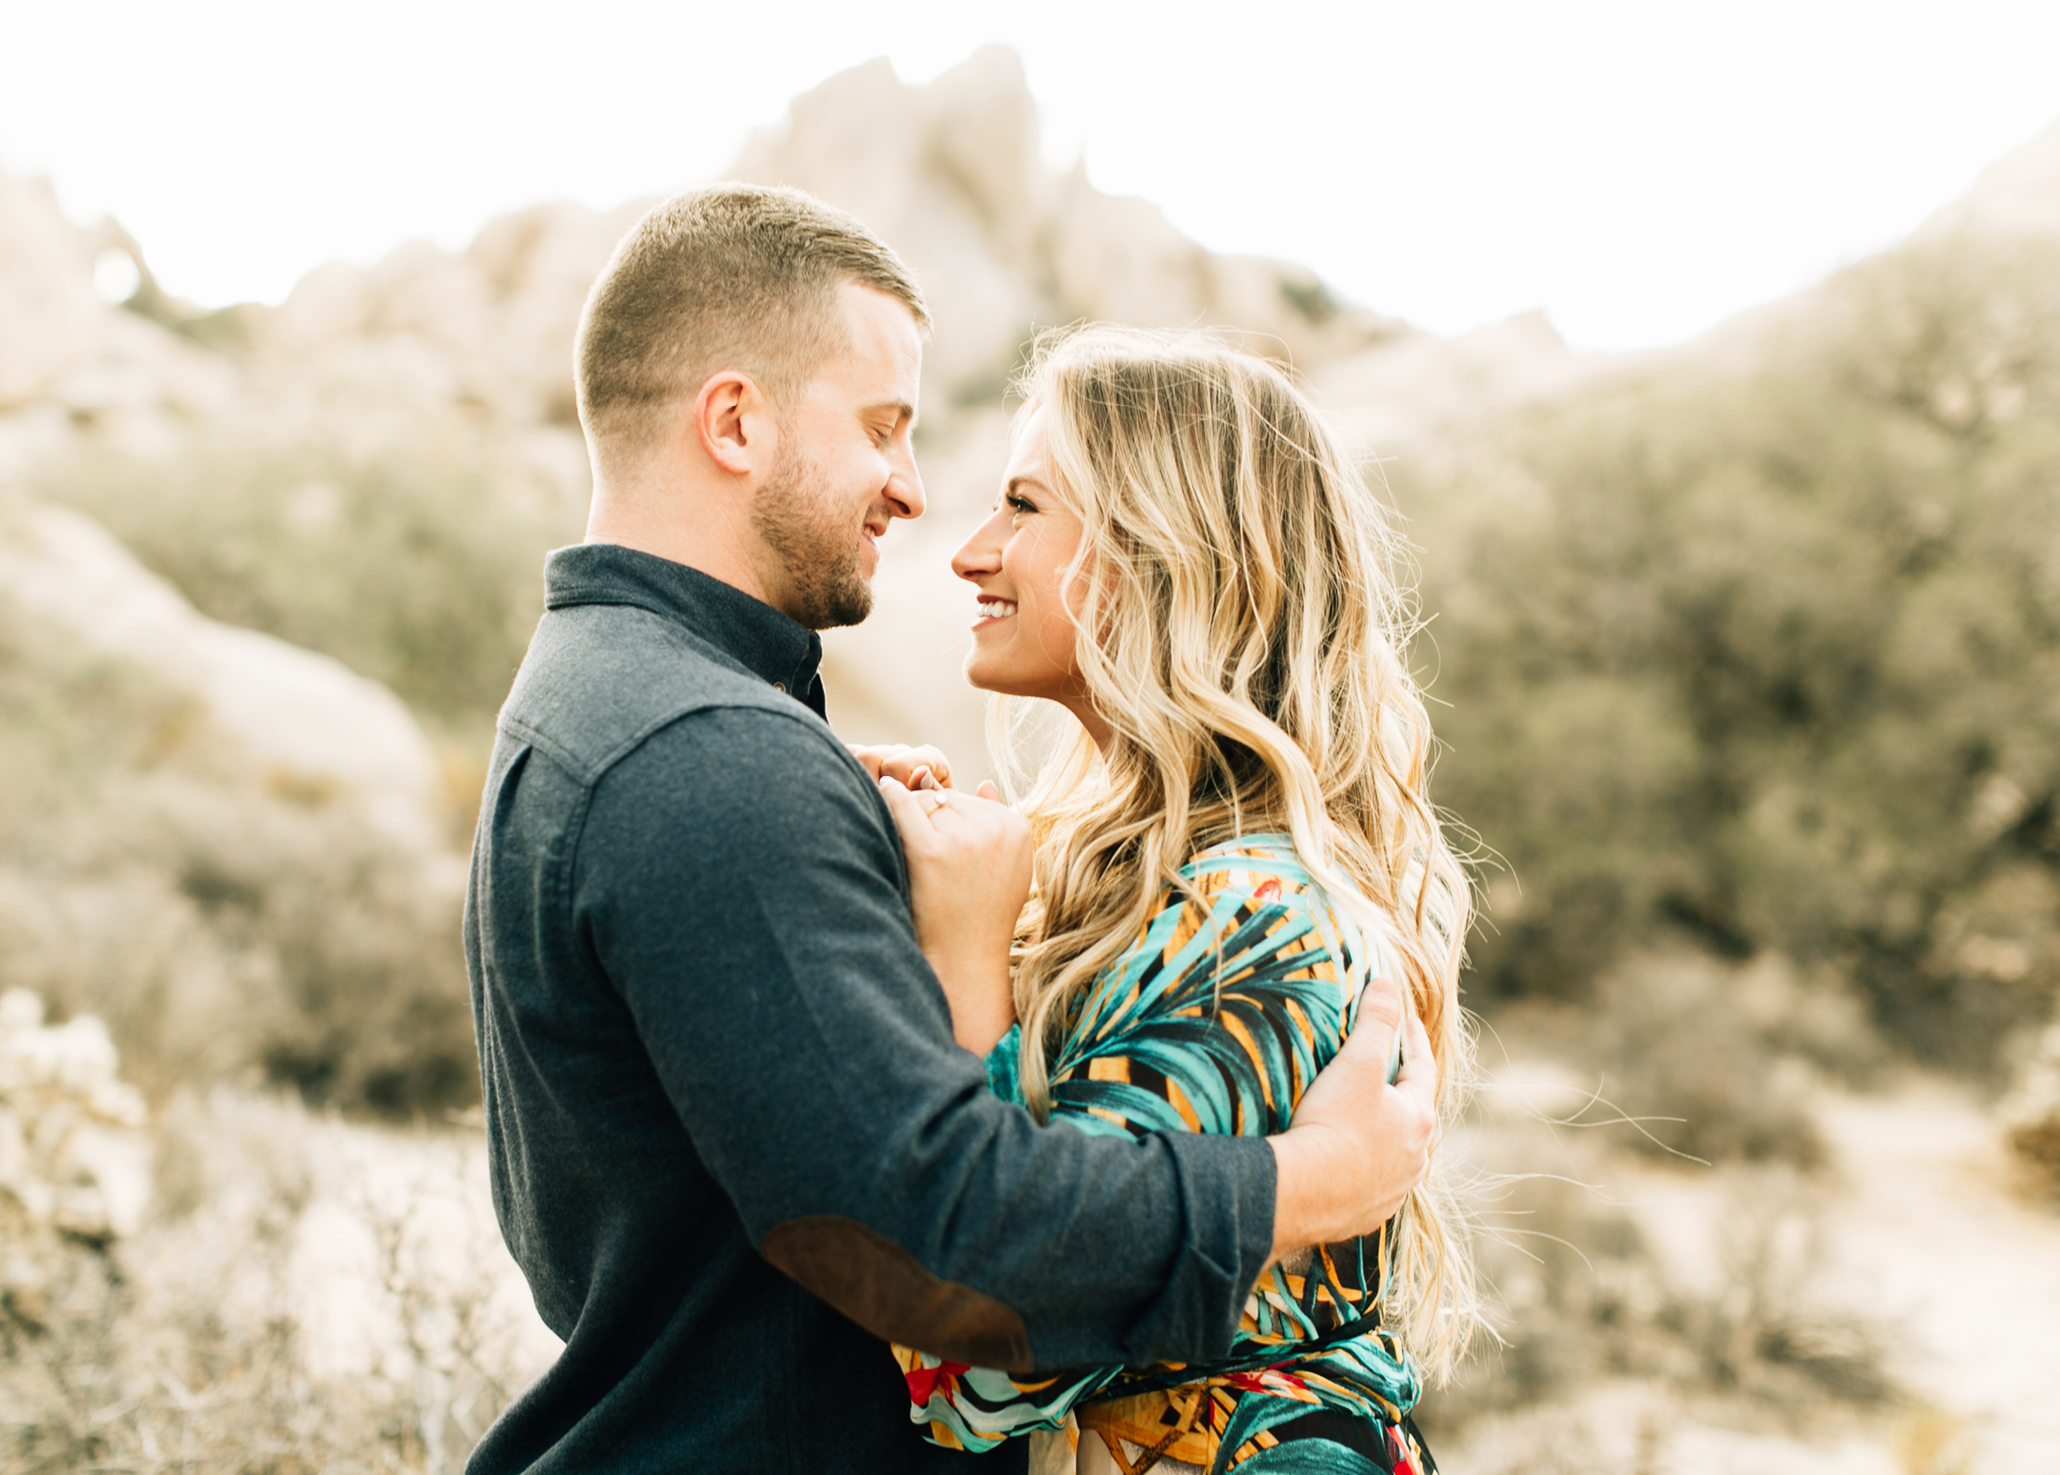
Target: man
x=734 y=1146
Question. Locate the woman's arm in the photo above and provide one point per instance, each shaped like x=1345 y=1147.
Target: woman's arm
x=965 y=916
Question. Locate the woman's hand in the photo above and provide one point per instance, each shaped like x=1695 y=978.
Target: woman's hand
x=901 y=762
x=969 y=875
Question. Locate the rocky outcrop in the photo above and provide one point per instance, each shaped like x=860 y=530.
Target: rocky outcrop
x=951 y=175
x=948 y=173
x=300 y=724
x=70 y=361
x=2018 y=195
x=1398 y=391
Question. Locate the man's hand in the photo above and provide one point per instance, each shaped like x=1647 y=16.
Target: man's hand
x=968 y=877
x=904 y=764
x=1357 y=1145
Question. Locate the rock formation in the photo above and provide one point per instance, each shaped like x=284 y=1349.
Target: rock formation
x=71 y=361
x=299 y=723
x=2018 y=195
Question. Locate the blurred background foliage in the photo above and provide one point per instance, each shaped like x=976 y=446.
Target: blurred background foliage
x=400 y=558
x=1767 y=659
x=244 y=930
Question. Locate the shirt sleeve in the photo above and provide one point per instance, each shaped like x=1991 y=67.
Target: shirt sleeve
x=1214 y=1022
x=739 y=882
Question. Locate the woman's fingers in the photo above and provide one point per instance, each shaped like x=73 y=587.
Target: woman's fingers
x=871 y=759
x=911 y=815
x=902 y=763
x=920 y=813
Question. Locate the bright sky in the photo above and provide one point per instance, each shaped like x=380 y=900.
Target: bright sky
x=1639 y=170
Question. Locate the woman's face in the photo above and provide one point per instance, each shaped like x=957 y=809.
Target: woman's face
x=1023 y=638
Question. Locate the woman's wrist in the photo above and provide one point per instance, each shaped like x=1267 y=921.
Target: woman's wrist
x=976 y=987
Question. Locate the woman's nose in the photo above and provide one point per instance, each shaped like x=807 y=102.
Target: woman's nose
x=980 y=554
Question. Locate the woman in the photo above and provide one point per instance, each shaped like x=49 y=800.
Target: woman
x=1232 y=835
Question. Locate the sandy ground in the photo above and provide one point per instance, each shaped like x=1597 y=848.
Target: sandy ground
x=1930 y=1232
x=1924 y=1228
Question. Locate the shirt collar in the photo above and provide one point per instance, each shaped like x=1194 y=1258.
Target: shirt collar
x=781 y=651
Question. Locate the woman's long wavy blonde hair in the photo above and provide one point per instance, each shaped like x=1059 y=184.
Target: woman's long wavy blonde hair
x=1240 y=627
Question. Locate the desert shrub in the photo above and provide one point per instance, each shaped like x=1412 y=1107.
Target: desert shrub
x=1581 y=1294
x=1772 y=656
x=1676 y=1049
x=398 y=554
x=2031 y=1114
x=192 y=1336
x=223 y=929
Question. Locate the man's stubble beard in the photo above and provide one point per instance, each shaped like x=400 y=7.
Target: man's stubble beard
x=798 y=515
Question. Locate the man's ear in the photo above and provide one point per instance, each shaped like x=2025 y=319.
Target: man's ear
x=732 y=418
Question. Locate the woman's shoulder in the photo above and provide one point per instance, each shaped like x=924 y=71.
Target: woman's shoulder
x=1262 y=864
x=1264 y=868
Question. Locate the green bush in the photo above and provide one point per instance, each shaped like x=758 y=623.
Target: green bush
x=402 y=559
x=1772 y=657
x=223 y=929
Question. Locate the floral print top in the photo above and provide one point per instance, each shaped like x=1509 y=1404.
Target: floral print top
x=1215 y=1020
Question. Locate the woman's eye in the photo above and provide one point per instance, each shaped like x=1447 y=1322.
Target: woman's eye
x=1015 y=503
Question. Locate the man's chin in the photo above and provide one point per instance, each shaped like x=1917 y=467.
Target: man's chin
x=845 y=606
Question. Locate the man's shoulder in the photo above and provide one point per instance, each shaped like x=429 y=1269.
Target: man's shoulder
x=601 y=679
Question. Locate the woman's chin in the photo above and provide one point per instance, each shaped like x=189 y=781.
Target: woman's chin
x=982 y=676
x=976 y=678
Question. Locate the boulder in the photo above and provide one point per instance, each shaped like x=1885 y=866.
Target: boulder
x=61 y=344
x=2018 y=195
x=302 y=724
x=51 y=321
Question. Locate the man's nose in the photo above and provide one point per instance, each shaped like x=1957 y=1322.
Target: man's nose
x=905 y=487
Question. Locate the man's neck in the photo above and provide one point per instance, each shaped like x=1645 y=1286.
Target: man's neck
x=712 y=546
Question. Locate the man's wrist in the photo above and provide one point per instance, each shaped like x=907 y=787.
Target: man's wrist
x=1304 y=1207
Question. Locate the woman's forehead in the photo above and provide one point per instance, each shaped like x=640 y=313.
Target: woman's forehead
x=1029 y=455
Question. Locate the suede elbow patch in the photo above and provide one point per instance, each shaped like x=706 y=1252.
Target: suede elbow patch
x=886 y=1290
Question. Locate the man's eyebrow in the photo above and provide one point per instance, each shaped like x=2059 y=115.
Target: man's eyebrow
x=902 y=409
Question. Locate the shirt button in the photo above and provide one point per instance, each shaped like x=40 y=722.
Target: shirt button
x=779 y=686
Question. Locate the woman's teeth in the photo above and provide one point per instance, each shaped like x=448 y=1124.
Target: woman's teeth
x=997 y=609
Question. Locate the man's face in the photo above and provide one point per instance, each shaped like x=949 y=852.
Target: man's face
x=846 y=467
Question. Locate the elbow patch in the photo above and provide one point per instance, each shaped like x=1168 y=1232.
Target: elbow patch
x=886 y=1290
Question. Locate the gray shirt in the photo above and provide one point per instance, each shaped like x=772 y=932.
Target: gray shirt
x=733 y=1144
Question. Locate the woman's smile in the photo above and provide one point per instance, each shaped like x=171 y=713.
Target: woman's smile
x=992 y=609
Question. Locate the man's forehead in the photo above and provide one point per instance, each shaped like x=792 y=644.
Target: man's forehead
x=884 y=347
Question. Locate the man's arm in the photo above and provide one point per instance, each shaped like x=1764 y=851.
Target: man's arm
x=739 y=883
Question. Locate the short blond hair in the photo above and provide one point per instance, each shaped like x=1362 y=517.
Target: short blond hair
x=735 y=276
